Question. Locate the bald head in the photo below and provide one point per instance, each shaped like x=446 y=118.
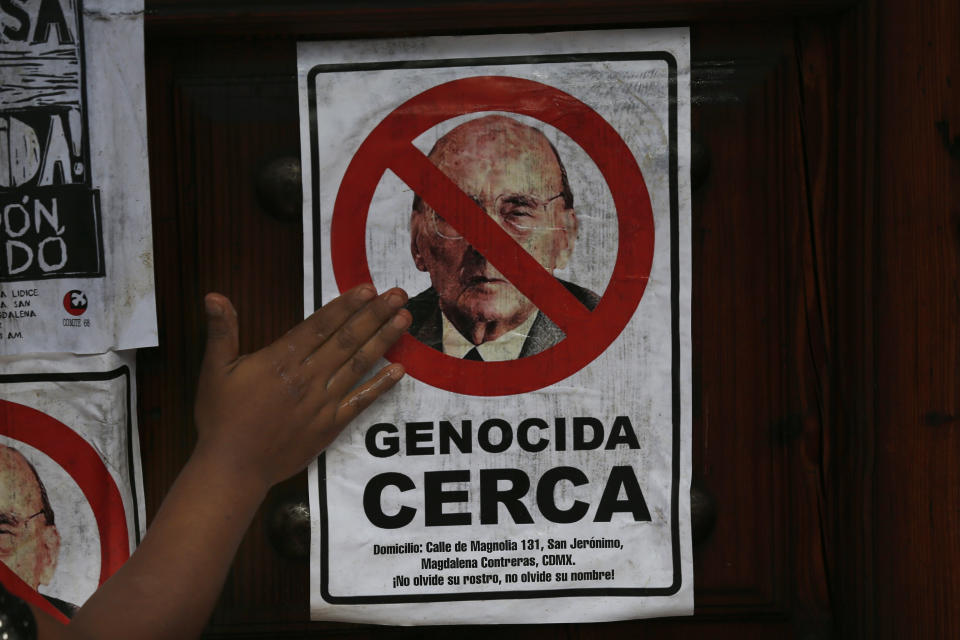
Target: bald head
x=478 y=146
x=29 y=541
x=512 y=172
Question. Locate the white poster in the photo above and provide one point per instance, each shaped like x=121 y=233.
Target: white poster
x=76 y=254
x=531 y=193
x=71 y=488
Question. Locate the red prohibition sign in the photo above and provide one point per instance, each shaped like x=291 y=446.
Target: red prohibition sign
x=79 y=459
x=588 y=334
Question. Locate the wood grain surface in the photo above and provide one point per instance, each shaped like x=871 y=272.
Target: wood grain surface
x=326 y=18
x=825 y=301
x=916 y=308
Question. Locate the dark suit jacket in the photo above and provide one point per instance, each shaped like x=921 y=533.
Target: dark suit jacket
x=63 y=606
x=427 y=325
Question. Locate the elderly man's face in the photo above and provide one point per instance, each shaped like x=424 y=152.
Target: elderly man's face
x=28 y=544
x=511 y=171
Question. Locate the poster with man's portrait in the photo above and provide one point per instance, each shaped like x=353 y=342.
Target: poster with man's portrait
x=531 y=193
x=71 y=490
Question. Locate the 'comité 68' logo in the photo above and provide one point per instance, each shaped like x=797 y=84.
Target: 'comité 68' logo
x=75 y=302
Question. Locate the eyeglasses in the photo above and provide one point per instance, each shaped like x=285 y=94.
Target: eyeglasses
x=519 y=214
x=11 y=527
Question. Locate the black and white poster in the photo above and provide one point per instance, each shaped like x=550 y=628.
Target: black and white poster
x=76 y=260
x=531 y=193
x=71 y=488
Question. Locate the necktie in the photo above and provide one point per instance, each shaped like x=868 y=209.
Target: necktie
x=473 y=354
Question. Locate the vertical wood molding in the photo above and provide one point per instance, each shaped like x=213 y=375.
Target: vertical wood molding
x=896 y=436
x=916 y=490
x=816 y=125
x=851 y=468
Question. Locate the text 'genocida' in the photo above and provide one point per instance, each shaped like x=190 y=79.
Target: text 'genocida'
x=497 y=435
x=502 y=486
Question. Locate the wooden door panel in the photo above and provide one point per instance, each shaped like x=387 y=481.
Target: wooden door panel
x=221 y=108
x=226 y=111
x=824 y=291
x=753 y=420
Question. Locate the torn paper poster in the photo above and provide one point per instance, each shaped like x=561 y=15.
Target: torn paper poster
x=532 y=194
x=76 y=255
x=71 y=488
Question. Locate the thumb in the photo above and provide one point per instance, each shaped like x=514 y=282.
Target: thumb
x=222 y=331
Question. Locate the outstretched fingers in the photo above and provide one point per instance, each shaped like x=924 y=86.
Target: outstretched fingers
x=349 y=343
x=361 y=397
x=223 y=333
x=304 y=339
x=363 y=359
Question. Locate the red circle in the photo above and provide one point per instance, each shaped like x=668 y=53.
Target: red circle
x=585 y=340
x=68 y=304
x=79 y=459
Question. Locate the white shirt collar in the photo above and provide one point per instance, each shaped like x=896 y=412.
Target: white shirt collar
x=506 y=347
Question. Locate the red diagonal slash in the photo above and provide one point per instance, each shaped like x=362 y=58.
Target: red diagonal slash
x=22 y=590
x=489 y=238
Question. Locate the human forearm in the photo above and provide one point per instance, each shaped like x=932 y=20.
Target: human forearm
x=260 y=419
x=169 y=586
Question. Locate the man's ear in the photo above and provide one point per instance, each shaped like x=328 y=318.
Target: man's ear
x=416 y=228
x=49 y=550
x=566 y=236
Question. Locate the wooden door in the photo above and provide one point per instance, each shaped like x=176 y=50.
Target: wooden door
x=798 y=244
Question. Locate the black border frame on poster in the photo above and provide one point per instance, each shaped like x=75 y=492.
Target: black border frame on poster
x=671 y=62
x=95 y=376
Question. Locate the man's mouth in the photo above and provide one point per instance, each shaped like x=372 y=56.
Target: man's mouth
x=482 y=280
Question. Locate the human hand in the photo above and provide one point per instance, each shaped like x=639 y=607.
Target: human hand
x=266 y=415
